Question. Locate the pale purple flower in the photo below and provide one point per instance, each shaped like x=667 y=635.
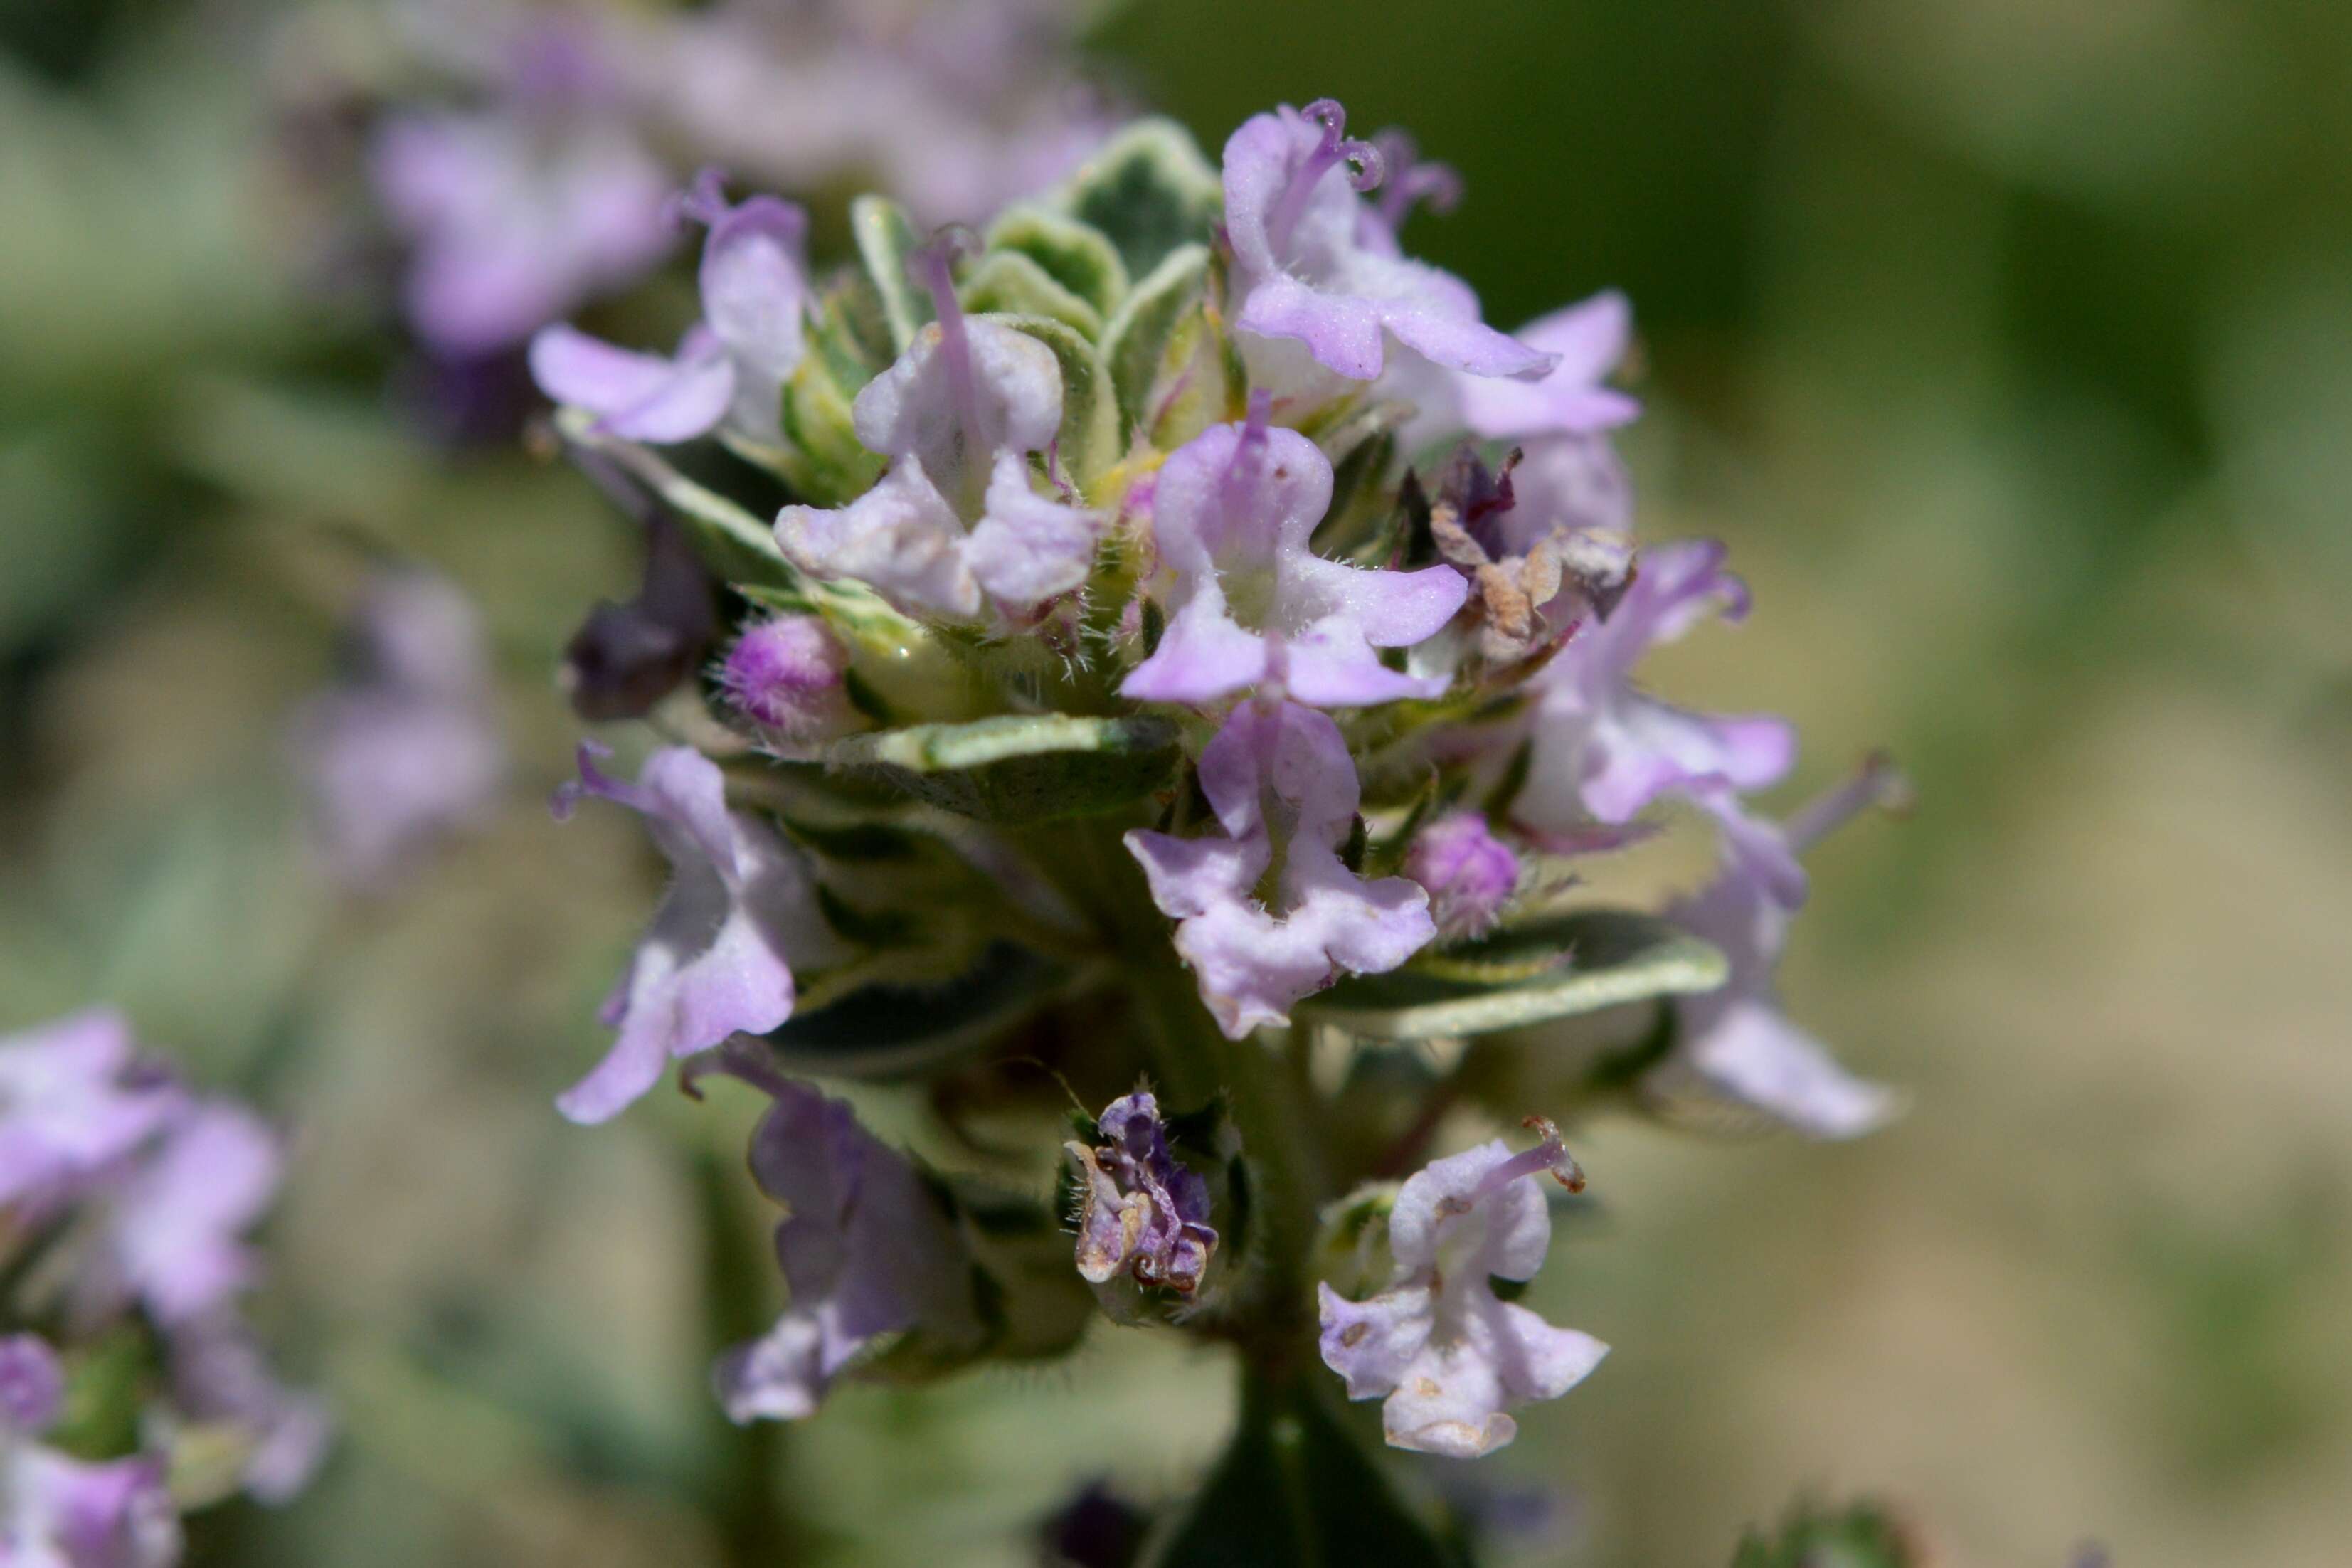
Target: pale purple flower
x=61 y=1512
x=515 y=218
x=1469 y=873
x=75 y=1102
x=1280 y=780
x=219 y=1374
x=1604 y=750
x=406 y=747
x=1141 y=1211
x=1315 y=264
x=732 y=364
x=1574 y=398
x=1736 y=1040
x=718 y=957
x=784 y=674
x=956 y=522
x=1449 y=1356
x=177 y=1224
x=1248 y=599
x=866 y=1248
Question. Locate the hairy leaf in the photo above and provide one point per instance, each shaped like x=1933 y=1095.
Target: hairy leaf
x=1150 y=191
x=1533 y=974
x=1018 y=768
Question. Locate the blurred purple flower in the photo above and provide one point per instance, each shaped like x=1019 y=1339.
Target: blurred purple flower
x=1736 y=1040
x=32 y=1385
x=406 y=748
x=1281 y=784
x=954 y=108
x=175 y=1225
x=718 y=957
x=1141 y=1211
x=61 y=1512
x=627 y=656
x=866 y=1248
x=75 y=1102
x=514 y=222
x=1248 y=598
x=1604 y=750
x=1315 y=264
x=955 y=521
x=732 y=364
x=219 y=1374
x=1448 y=1354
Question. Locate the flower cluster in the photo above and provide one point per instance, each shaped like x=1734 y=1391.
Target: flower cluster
x=1189 y=620
x=125 y=1205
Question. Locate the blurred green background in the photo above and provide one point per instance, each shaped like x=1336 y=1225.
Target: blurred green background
x=2009 y=343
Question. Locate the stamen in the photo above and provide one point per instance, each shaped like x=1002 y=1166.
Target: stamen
x=1877 y=783
x=1410 y=180
x=1366 y=168
x=1549 y=1155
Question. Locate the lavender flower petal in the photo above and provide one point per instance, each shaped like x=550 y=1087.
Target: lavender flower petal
x=865 y=1250
x=717 y=958
x=1254 y=961
x=1250 y=602
x=1315 y=264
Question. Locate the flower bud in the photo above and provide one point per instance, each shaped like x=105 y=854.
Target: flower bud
x=1469 y=872
x=784 y=675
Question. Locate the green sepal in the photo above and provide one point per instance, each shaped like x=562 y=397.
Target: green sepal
x=1138 y=340
x=1078 y=257
x=822 y=459
x=1150 y=191
x=1007 y=282
x=1089 y=434
x=1533 y=974
x=1018 y=768
x=886 y=237
x=892 y=1030
x=1295 y=1490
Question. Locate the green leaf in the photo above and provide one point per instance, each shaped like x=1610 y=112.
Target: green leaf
x=1010 y=283
x=1019 y=768
x=886 y=237
x=1089 y=434
x=1080 y=258
x=732 y=542
x=888 y=1030
x=1295 y=1490
x=1150 y=191
x=1533 y=974
x=1136 y=341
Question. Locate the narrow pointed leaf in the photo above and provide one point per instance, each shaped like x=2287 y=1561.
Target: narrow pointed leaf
x=1534 y=974
x=1018 y=768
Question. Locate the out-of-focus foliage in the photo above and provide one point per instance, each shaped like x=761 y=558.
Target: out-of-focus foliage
x=2012 y=345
